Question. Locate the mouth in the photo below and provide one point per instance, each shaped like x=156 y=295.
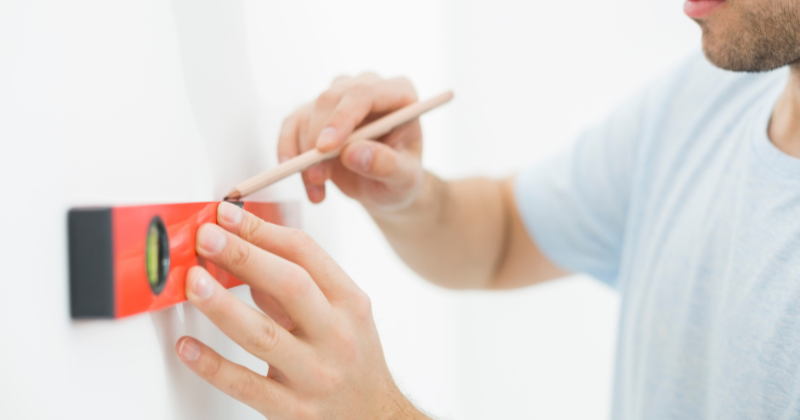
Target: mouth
x=698 y=9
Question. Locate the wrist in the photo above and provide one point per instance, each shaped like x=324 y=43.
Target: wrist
x=428 y=204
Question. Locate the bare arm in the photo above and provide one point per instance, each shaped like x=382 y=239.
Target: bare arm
x=459 y=234
x=467 y=234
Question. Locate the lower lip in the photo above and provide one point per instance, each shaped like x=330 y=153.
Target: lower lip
x=701 y=8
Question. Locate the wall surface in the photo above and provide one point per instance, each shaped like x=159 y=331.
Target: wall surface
x=110 y=102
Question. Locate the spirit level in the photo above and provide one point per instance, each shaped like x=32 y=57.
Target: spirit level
x=128 y=260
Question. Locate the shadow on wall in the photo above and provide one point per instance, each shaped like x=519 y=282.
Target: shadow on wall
x=220 y=87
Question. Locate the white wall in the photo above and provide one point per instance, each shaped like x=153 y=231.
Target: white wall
x=105 y=103
x=91 y=90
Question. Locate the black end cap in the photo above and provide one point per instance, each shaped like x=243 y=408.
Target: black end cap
x=91 y=263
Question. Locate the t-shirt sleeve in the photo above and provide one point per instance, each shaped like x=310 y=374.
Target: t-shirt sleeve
x=575 y=205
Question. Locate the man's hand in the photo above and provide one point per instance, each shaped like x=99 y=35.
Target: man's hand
x=385 y=174
x=318 y=336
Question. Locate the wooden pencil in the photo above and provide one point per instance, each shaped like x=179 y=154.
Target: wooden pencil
x=310 y=158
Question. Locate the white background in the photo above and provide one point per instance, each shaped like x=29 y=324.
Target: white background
x=110 y=102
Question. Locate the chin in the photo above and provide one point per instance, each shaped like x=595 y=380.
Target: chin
x=761 y=37
x=733 y=59
x=723 y=56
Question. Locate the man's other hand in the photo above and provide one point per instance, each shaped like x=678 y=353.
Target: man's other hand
x=384 y=174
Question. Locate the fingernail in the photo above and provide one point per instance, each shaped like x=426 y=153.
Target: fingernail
x=365 y=158
x=202 y=286
x=326 y=137
x=210 y=239
x=230 y=213
x=190 y=350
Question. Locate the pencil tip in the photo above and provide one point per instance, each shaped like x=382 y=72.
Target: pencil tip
x=233 y=195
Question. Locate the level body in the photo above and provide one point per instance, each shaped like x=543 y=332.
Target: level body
x=133 y=259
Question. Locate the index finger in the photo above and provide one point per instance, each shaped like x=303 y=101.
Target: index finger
x=291 y=244
x=291 y=286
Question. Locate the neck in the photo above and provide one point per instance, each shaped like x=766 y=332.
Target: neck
x=784 y=127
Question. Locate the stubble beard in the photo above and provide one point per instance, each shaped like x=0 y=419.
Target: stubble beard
x=754 y=39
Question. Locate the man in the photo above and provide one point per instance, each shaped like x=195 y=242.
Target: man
x=686 y=200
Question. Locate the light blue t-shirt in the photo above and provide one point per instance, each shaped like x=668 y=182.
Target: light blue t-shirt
x=680 y=202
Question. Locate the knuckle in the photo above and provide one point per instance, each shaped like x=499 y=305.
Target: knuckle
x=247 y=387
x=327 y=99
x=265 y=339
x=369 y=75
x=362 y=305
x=405 y=81
x=297 y=282
x=251 y=228
x=364 y=89
x=335 y=379
x=328 y=378
x=409 y=92
x=304 y=412
x=239 y=254
x=211 y=368
x=346 y=345
x=300 y=241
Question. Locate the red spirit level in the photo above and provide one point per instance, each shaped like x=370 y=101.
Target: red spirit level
x=128 y=260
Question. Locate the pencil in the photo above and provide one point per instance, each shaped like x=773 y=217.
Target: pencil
x=310 y=158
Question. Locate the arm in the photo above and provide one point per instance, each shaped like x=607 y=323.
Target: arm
x=467 y=234
x=461 y=234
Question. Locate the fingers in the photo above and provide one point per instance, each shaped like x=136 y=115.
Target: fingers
x=287 y=140
x=351 y=110
x=290 y=285
x=268 y=305
x=263 y=394
x=292 y=244
x=255 y=332
x=314 y=181
x=377 y=161
x=359 y=101
x=334 y=115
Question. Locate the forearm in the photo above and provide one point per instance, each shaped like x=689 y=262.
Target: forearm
x=454 y=233
x=400 y=409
